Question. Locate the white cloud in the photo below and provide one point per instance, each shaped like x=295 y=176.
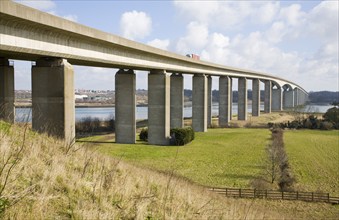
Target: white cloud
x=161 y=44
x=292 y=14
x=135 y=25
x=196 y=38
x=228 y=14
x=277 y=31
x=323 y=20
x=266 y=12
x=43 y=5
x=200 y=11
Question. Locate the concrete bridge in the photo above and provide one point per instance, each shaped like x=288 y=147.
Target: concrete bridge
x=55 y=44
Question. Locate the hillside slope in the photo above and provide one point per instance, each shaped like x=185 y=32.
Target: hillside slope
x=41 y=178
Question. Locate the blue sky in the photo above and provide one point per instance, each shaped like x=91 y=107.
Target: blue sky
x=296 y=40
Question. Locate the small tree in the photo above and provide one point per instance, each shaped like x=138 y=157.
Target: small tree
x=332 y=115
x=143 y=134
x=272 y=165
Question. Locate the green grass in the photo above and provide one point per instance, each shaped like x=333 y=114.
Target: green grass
x=220 y=157
x=314 y=159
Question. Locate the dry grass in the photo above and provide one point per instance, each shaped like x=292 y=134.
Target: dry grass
x=45 y=179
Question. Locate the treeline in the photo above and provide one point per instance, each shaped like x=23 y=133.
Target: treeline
x=330 y=120
x=324 y=97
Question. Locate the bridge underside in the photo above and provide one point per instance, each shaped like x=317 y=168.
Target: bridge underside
x=53 y=100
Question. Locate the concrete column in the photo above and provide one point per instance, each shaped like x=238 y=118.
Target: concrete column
x=276 y=99
x=231 y=98
x=301 y=100
x=242 y=99
x=158 y=107
x=53 y=105
x=255 y=97
x=268 y=96
x=209 y=101
x=288 y=99
x=177 y=101
x=125 y=125
x=7 y=110
x=296 y=97
x=225 y=106
x=199 y=103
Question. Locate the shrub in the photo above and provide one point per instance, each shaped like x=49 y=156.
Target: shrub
x=93 y=124
x=87 y=124
x=325 y=125
x=181 y=136
x=332 y=115
x=143 y=134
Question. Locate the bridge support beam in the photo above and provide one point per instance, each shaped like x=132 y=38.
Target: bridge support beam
x=53 y=105
x=301 y=97
x=209 y=101
x=7 y=110
x=225 y=106
x=255 y=97
x=288 y=98
x=231 y=98
x=125 y=125
x=268 y=96
x=276 y=99
x=177 y=101
x=296 y=97
x=199 y=103
x=158 y=107
x=242 y=99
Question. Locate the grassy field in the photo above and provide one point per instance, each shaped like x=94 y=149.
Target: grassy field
x=314 y=158
x=51 y=180
x=220 y=157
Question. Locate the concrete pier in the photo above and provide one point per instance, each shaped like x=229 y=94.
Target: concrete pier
x=225 y=105
x=268 y=96
x=288 y=98
x=276 y=99
x=199 y=103
x=53 y=106
x=209 y=101
x=177 y=101
x=125 y=124
x=296 y=97
x=255 y=97
x=242 y=99
x=7 y=110
x=231 y=98
x=158 y=107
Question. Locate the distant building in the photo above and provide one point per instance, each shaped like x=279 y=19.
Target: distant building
x=81 y=97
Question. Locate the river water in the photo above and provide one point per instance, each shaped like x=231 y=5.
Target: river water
x=24 y=114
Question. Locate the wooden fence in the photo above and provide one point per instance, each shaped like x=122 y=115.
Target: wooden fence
x=272 y=194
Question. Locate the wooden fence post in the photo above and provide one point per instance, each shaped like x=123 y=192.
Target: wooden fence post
x=328 y=197
x=297 y=195
x=226 y=192
x=312 y=196
x=240 y=192
x=254 y=193
x=282 y=194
